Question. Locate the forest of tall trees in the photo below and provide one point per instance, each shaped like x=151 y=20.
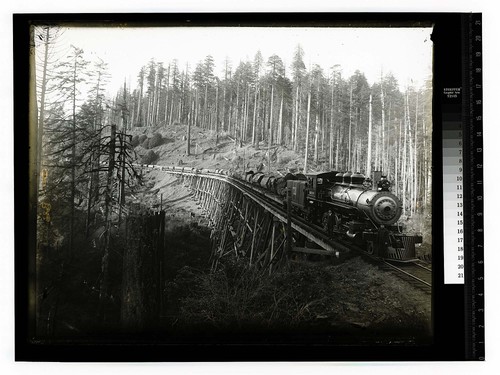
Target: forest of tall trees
x=336 y=122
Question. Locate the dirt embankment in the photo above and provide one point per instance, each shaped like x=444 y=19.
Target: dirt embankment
x=209 y=151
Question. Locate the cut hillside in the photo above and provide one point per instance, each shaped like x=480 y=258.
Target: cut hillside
x=208 y=151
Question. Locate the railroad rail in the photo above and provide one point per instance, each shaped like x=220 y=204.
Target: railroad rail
x=417 y=272
x=249 y=215
x=414 y=272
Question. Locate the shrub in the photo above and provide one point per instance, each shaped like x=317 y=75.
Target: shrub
x=148 y=143
x=135 y=141
x=156 y=140
x=142 y=138
x=145 y=144
x=150 y=157
x=237 y=297
x=285 y=159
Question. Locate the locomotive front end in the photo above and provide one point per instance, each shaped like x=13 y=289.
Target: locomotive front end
x=383 y=207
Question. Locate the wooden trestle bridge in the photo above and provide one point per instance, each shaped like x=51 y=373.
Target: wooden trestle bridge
x=249 y=222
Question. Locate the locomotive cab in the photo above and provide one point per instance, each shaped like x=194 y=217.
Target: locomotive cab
x=319 y=184
x=298 y=191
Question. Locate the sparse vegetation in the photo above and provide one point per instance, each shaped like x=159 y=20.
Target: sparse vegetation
x=156 y=140
x=315 y=297
x=150 y=157
x=284 y=159
x=142 y=138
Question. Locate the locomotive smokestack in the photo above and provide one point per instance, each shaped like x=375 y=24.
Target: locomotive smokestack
x=377 y=175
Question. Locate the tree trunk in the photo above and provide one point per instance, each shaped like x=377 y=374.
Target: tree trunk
x=332 y=112
x=41 y=117
x=350 y=130
x=280 y=121
x=415 y=160
x=247 y=114
x=166 y=95
x=104 y=290
x=155 y=101
x=216 y=114
x=206 y=125
x=236 y=120
x=382 y=151
x=122 y=178
x=73 y=164
x=368 y=171
x=170 y=115
x=34 y=286
x=139 y=101
x=179 y=110
x=270 y=140
x=337 y=163
x=404 y=160
x=296 y=140
x=224 y=107
x=307 y=130
x=188 y=148
x=317 y=129
x=254 y=116
x=316 y=136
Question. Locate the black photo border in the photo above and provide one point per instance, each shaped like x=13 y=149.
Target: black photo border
x=449 y=309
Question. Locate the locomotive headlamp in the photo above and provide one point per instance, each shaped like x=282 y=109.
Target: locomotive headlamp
x=385 y=208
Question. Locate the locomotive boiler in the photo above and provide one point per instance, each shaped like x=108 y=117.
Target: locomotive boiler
x=378 y=204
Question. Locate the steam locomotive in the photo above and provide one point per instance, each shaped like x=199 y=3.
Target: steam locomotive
x=346 y=205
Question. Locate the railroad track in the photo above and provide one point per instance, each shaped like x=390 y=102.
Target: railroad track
x=417 y=273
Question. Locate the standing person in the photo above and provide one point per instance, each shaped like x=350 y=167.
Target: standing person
x=383 y=241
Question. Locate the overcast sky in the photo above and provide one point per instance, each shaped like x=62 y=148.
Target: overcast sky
x=406 y=52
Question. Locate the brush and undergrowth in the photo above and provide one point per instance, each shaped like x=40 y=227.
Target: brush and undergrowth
x=302 y=297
